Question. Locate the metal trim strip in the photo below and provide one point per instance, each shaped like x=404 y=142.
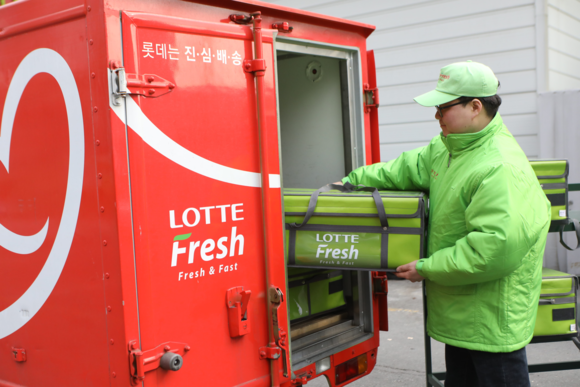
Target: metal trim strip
x=43 y=21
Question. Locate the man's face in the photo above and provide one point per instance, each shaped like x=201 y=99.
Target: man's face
x=455 y=119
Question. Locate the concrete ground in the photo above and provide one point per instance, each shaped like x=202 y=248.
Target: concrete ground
x=401 y=356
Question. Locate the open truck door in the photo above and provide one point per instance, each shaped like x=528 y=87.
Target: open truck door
x=207 y=227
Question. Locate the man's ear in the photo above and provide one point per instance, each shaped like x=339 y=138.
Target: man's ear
x=477 y=107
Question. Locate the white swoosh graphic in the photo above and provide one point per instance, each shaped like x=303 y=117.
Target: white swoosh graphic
x=44 y=60
x=16 y=243
x=159 y=141
x=21 y=244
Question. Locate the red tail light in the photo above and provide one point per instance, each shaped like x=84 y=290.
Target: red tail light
x=351 y=369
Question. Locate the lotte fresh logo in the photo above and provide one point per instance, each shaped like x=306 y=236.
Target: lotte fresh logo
x=42 y=61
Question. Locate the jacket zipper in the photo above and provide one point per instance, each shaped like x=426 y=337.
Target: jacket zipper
x=449 y=162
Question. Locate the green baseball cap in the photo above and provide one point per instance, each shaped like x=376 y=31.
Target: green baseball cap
x=461 y=79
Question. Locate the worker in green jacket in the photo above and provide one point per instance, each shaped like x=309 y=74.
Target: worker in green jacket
x=488 y=222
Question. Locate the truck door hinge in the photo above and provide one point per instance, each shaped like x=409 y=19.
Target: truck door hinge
x=271 y=352
x=370 y=97
x=380 y=290
x=282 y=27
x=167 y=356
x=254 y=65
x=146 y=85
x=380 y=284
x=302 y=379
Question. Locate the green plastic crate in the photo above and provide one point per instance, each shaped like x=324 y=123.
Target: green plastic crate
x=345 y=230
x=557 y=306
x=553 y=177
x=314 y=292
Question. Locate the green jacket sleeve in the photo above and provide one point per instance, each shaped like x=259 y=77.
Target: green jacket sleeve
x=504 y=219
x=408 y=172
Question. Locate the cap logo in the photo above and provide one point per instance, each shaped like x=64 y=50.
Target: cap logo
x=443 y=77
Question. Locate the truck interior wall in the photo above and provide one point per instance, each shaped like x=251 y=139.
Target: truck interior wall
x=313 y=120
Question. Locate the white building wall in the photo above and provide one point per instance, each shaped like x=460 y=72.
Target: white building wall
x=415 y=38
x=563 y=29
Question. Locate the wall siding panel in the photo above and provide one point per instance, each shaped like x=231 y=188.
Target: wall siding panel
x=455 y=48
x=415 y=38
x=350 y=9
x=564 y=64
x=440 y=10
x=560 y=81
x=563 y=44
x=451 y=29
x=511 y=61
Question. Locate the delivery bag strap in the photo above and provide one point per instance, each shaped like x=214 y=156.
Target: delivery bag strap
x=557 y=301
x=576 y=227
x=344 y=188
x=315 y=278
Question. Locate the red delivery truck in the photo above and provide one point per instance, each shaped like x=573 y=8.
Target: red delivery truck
x=144 y=149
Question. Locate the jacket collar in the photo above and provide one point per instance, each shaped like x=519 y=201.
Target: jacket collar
x=458 y=143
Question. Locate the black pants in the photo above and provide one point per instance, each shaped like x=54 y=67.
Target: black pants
x=467 y=368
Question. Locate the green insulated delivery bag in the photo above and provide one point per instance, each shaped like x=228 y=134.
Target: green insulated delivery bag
x=557 y=308
x=349 y=227
x=553 y=177
x=313 y=292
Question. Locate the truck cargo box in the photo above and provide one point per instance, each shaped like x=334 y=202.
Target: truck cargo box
x=145 y=146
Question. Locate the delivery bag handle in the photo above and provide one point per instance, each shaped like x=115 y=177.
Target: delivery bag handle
x=576 y=227
x=347 y=187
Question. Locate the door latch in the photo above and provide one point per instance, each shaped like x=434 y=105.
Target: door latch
x=237 y=303
x=146 y=85
x=167 y=356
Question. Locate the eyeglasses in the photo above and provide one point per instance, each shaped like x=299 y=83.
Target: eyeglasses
x=463 y=100
x=440 y=109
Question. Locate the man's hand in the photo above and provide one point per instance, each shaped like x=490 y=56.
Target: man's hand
x=409 y=272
